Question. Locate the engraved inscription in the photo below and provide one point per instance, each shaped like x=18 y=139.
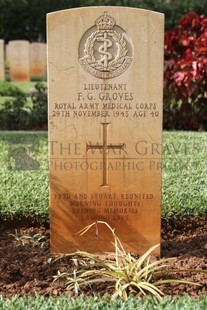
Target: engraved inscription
x=99 y=206
x=105 y=147
x=113 y=100
x=105 y=51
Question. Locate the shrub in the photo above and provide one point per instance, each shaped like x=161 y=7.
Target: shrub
x=185 y=74
x=13 y=115
x=39 y=109
x=9 y=90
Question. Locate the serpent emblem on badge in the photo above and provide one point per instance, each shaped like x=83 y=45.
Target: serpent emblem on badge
x=105 y=50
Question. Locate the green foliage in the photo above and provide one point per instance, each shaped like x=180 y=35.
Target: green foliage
x=125 y=275
x=12 y=113
x=16 y=112
x=26 y=19
x=38 y=78
x=36 y=240
x=102 y=302
x=9 y=90
x=39 y=107
x=175 y=9
x=23 y=86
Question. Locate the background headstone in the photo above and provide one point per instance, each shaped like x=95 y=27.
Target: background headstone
x=19 y=60
x=105 y=127
x=37 y=59
x=2 y=67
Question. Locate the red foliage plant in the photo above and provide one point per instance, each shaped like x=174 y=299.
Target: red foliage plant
x=185 y=70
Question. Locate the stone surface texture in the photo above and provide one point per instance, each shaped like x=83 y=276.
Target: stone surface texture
x=19 y=60
x=37 y=59
x=105 y=127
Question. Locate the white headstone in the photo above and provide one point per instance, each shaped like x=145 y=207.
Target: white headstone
x=19 y=60
x=105 y=127
x=37 y=59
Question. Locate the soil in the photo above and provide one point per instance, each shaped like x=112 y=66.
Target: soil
x=26 y=267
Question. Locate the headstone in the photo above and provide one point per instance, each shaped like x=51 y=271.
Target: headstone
x=2 y=67
x=37 y=59
x=105 y=127
x=19 y=60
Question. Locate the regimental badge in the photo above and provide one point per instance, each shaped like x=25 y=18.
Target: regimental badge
x=105 y=50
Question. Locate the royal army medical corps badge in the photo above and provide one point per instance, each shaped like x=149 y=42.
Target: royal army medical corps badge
x=105 y=50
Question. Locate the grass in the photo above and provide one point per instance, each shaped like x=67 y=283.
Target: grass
x=99 y=303
x=184 y=175
x=184 y=188
x=23 y=193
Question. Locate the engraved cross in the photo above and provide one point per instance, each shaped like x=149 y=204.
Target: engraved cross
x=105 y=147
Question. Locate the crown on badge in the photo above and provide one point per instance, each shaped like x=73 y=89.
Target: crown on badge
x=105 y=22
